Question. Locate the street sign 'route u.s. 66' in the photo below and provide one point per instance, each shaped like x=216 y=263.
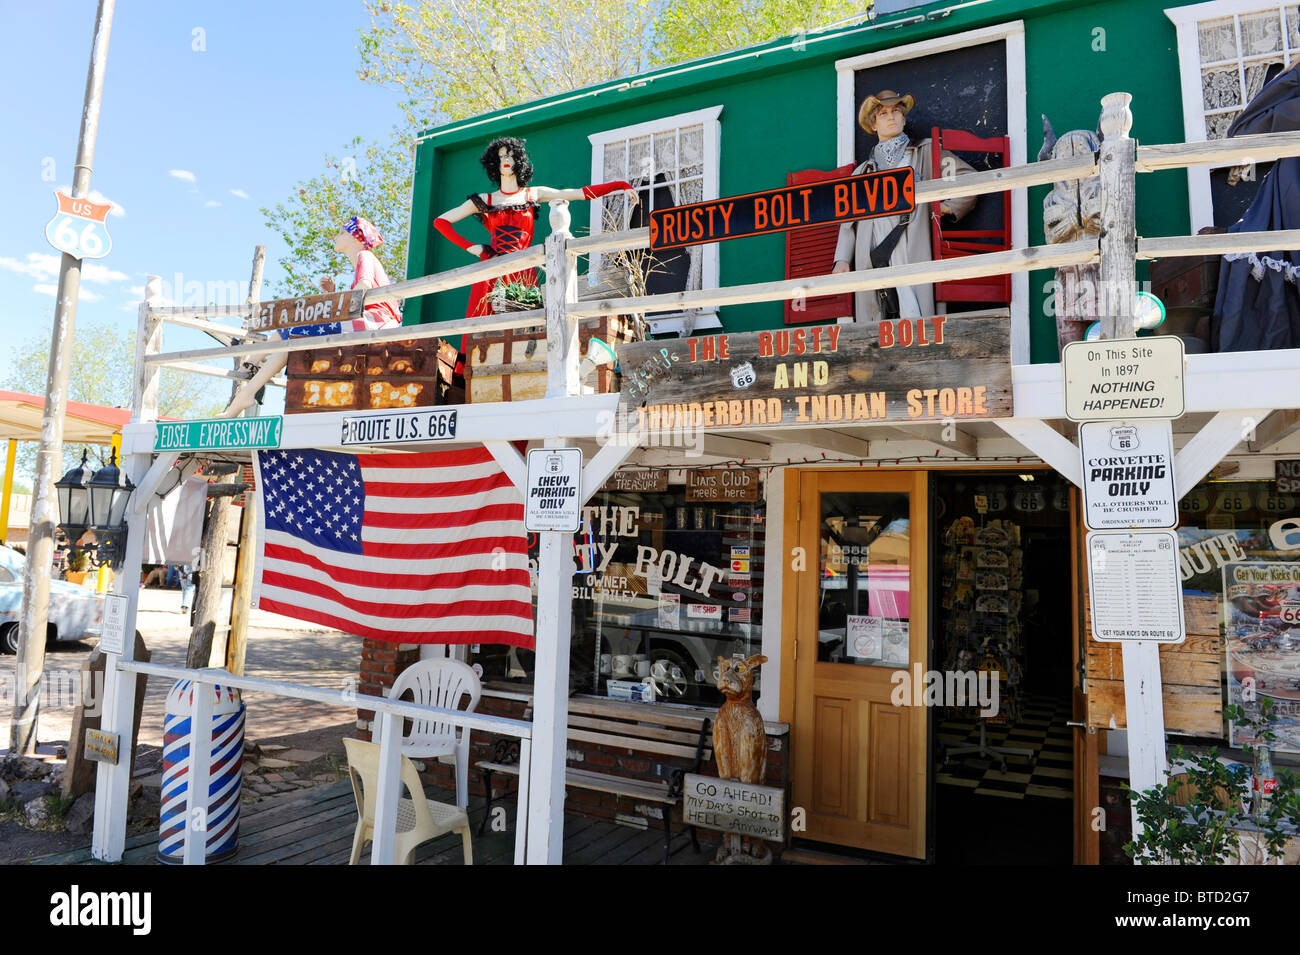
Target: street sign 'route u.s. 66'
x=80 y=228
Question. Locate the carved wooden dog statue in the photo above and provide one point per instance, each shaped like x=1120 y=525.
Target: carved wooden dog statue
x=740 y=745
x=739 y=740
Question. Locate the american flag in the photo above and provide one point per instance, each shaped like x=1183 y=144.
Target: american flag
x=407 y=548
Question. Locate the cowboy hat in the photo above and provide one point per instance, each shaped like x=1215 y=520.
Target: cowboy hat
x=884 y=98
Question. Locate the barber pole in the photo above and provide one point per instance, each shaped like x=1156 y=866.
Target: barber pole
x=227 y=748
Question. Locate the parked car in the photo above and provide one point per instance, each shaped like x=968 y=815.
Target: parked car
x=75 y=612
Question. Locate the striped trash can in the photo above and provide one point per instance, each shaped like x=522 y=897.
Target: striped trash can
x=226 y=774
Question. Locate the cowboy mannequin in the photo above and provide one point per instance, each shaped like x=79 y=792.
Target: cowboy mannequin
x=883 y=115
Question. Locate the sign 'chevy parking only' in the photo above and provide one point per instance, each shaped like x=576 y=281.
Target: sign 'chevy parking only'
x=553 y=501
x=219 y=434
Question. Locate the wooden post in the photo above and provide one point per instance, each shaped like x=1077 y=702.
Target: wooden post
x=203 y=644
x=562 y=346
x=10 y=457
x=79 y=775
x=545 y=836
x=1118 y=244
x=112 y=788
x=1143 y=693
x=254 y=295
x=237 y=644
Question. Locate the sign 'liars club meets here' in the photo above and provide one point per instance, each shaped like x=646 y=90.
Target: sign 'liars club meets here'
x=874 y=194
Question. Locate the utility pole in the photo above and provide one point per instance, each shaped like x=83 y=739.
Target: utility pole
x=45 y=511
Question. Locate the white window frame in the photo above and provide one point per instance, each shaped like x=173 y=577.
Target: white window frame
x=710 y=119
x=1185 y=21
x=1013 y=33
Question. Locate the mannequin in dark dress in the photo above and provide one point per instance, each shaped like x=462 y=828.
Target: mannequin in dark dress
x=1258 y=303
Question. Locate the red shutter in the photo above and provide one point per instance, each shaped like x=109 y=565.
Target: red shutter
x=810 y=252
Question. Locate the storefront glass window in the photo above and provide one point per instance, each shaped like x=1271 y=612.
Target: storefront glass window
x=661 y=589
x=1239 y=548
x=864 y=580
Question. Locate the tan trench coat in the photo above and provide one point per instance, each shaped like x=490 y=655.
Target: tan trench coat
x=854 y=246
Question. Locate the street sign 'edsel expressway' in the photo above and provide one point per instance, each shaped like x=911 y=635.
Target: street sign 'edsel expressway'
x=219 y=434
x=869 y=196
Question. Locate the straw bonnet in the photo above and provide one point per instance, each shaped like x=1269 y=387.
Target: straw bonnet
x=869 y=106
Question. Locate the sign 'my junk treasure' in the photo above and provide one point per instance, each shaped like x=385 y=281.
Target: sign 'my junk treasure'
x=907 y=370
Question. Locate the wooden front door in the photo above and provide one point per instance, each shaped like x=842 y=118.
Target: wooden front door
x=861 y=599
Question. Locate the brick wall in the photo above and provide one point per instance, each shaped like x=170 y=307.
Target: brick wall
x=380 y=664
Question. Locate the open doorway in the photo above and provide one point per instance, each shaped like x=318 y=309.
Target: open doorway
x=1001 y=600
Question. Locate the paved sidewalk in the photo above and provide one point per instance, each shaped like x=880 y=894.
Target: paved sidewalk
x=279 y=648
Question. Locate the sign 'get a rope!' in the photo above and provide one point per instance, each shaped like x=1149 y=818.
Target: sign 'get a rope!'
x=886 y=193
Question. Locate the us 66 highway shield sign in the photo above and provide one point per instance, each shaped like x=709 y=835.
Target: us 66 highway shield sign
x=80 y=228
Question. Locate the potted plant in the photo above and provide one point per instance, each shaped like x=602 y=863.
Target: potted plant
x=514 y=297
x=1205 y=814
x=77 y=566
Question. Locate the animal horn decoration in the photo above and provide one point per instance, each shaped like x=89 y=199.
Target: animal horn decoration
x=1049 y=140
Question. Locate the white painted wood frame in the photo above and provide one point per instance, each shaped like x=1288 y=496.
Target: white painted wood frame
x=1185 y=20
x=710 y=119
x=846 y=118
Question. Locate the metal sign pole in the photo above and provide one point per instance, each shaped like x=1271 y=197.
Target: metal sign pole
x=45 y=514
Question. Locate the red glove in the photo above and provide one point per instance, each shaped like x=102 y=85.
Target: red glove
x=443 y=226
x=604 y=189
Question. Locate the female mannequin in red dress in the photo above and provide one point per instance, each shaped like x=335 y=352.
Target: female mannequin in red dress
x=510 y=213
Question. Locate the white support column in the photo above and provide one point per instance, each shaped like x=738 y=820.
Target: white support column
x=551 y=695
x=605 y=462
x=545 y=778
x=1208 y=446
x=1144 y=716
x=1143 y=695
x=1057 y=450
x=511 y=461
x=113 y=781
x=195 y=850
x=521 y=810
x=383 y=847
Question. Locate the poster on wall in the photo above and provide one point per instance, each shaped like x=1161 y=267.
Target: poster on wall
x=865 y=637
x=670 y=611
x=1261 y=609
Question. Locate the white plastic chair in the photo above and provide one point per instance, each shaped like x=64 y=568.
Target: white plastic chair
x=443 y=683
x=419 y=818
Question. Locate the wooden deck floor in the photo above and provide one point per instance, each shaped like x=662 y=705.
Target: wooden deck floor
x=315 y=827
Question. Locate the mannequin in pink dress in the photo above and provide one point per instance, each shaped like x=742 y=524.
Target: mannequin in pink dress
x=510 y=213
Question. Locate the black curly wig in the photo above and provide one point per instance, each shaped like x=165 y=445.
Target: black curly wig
x=518 y=152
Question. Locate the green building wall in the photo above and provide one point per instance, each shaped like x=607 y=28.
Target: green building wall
x=779 y=116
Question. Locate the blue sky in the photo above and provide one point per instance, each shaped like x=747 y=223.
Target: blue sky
x=191 y=141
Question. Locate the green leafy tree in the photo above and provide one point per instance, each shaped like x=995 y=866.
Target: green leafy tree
x=452 y=59
x=693 y=28
x=372 y=180
x=101 y=372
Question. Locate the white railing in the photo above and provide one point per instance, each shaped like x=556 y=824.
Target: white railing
x=1115 y=182
x=389 y=714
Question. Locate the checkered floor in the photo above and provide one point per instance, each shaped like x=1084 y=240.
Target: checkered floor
x=1041 y=728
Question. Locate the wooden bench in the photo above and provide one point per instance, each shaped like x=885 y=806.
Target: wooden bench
x=621 y=726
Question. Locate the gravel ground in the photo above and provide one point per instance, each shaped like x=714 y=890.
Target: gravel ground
x=279 y=648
